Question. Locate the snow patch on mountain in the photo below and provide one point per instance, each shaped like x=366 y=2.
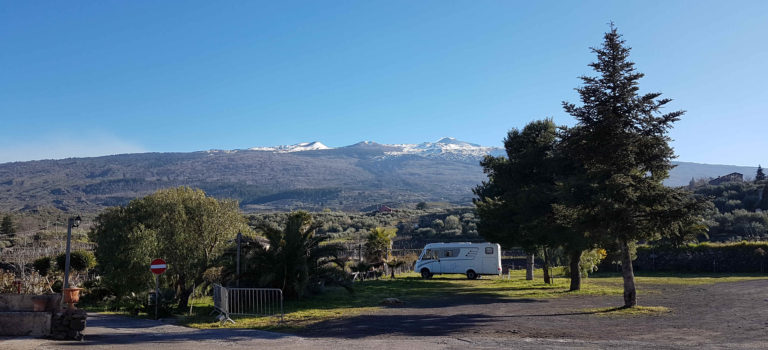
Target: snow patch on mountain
x=445 y=147
x=299 y=147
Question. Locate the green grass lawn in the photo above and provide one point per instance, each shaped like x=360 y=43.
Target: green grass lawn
x=410 y=288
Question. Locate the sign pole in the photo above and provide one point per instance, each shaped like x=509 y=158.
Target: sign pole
x=239 y=239
x=157 y=293
x=157 y=267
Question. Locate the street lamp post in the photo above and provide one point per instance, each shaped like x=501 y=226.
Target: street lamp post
x=72 y=222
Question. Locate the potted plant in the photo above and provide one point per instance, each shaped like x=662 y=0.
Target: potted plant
x=71 y=296
x=79 y=261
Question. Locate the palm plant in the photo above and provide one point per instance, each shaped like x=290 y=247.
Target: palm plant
x=292 y=258
x=377 y=245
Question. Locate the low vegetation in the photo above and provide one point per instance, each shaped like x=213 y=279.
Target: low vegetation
x=632 y=311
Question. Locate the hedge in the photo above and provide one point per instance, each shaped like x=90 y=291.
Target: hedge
x=704 y=257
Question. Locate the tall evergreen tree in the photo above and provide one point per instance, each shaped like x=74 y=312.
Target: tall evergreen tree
x=621 y=143
x=7 y=227
x=760 y=176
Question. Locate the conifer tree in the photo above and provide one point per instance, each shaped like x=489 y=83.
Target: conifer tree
x=621 y=143
x=760 y=176
x=7 y=227
x=515 y=204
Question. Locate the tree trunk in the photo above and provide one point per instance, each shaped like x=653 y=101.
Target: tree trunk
x=529 y=268
x=182 y=293
x=547 y=279
x=575 y=270
x=630 y=294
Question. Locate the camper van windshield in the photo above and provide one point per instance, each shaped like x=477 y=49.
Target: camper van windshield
x=427 y=255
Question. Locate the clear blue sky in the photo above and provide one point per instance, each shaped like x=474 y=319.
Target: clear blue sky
x=84 y=78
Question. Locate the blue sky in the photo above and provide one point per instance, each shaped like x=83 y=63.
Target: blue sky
x=86 y=78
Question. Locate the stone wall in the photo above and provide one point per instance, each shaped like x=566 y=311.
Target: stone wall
x=25 y=323
x=68 y=324
x=18 y=318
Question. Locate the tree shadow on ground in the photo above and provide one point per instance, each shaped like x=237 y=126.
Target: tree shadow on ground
x=121 y=338
x=409 y=325
x=462 y=300
x=121 y=330
x=415 y=292
x=417 y=325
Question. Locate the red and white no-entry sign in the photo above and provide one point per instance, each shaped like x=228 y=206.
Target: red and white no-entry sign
x=158 y=266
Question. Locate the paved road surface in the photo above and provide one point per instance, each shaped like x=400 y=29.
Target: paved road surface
x=117 y=332
x=719 y=316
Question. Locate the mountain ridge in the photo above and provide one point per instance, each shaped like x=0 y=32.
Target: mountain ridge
x=308 y=176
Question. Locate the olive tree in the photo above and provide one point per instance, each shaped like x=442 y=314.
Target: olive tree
x=181 y=225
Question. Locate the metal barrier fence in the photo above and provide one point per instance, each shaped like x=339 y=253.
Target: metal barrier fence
x=247 y=301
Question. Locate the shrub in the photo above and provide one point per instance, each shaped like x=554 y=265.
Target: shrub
x=43 y=265
x=703 y=257
x=79 y=260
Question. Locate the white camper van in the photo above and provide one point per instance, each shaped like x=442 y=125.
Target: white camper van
x=472 y=259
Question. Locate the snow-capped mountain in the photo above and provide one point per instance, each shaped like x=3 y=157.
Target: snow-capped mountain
x=304 y=146
x=447 y=147
x=309 y=176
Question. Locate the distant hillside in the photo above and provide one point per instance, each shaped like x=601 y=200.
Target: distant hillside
x=682 y=174
x=309 y=176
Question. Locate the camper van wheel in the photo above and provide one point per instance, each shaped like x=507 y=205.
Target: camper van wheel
x=471 y=275
x=425 y=274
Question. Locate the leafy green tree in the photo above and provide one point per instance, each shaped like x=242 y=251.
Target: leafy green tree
x=621 y=143
x=292 y=259
x=421 y=205
x=181 y=225
x=760 y=176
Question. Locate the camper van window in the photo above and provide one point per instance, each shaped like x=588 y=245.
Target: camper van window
x=427 y=255
x=488 y=250
x=450 y=253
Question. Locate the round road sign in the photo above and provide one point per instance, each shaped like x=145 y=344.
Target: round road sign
x=158 y=266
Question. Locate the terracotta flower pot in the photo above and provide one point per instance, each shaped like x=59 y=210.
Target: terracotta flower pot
x=40 y=303
x=71 y=296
